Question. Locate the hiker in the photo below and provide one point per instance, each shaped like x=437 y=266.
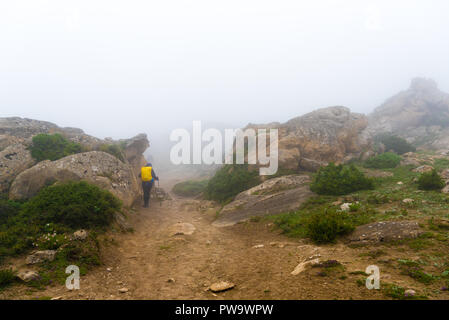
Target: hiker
x=148 y=176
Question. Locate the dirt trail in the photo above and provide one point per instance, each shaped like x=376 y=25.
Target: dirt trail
x=154 y=264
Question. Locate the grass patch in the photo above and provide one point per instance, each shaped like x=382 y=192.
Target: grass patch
x=7 y=277
x=397 y=292
x=414 y=270
x=383 y=161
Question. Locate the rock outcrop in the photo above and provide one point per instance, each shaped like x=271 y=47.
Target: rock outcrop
x=386 y=231
x=13 y=160
x=329 y=134
x=419 y=114
x=6 y=141
x=134 y=149
x=22 y=180
x=273 y=196
x=96 y=167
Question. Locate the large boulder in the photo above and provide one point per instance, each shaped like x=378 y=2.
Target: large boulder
x=420 y=115
x=96 y=167
x=386 y=231
x=134 y=149
x=25 y=129
x=333 y=134
x=13 y=160
x=7 y=140
x=273 y=196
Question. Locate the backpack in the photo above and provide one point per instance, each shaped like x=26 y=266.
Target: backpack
x=146 y=173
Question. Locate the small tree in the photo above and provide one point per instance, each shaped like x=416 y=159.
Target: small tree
x=430 y=181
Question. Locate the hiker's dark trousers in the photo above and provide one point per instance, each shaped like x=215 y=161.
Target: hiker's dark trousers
x=146 y=186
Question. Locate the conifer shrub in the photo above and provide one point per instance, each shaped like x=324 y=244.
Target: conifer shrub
x=324 y=227
x=430 y=181
x=230 y=180
x=113 y=149
x=52 y=147
x=340 y=180
x=74 y=204
x=395 y=143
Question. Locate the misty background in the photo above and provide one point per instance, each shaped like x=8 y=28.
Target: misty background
x=118 y=68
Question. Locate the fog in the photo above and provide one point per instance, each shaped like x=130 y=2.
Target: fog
x=118 y=68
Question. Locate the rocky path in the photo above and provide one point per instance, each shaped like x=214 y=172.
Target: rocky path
x=176 y=253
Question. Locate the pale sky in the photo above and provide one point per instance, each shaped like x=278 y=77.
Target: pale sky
x=117 y=68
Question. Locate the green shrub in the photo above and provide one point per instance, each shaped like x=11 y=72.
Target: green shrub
x=230 y=180
x=8 y=209
x=325 y=226
x=74 y=204
x=113 y=149
x=395 y=143
x=52 y=147
x=383 y=161
x=340 y=180
x=42 y=222
x=7 y=277
x=190 y=188
x=430 y=181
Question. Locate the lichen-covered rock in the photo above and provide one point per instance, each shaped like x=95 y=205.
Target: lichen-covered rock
x=423 y=168
x=27 y=128
x=221 y=286
x=13 y=160
x=386 y=231
x=332 y=134
x=96 y=167
x=273 y=196
x=28 y=276
x=419 y=114
x=134 y=149
x=80 y=235
x=7 y=140
x=41 y=256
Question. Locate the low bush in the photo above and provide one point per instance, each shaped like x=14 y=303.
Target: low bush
x=230 y=180
x=190 y=188
x=52 y=147
x=324 y=227
x=340 y=180
x=73 y=204
x=8 y=209
x=42 y=222
x=383 y=161
x=395 y=144
x=430 y=181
